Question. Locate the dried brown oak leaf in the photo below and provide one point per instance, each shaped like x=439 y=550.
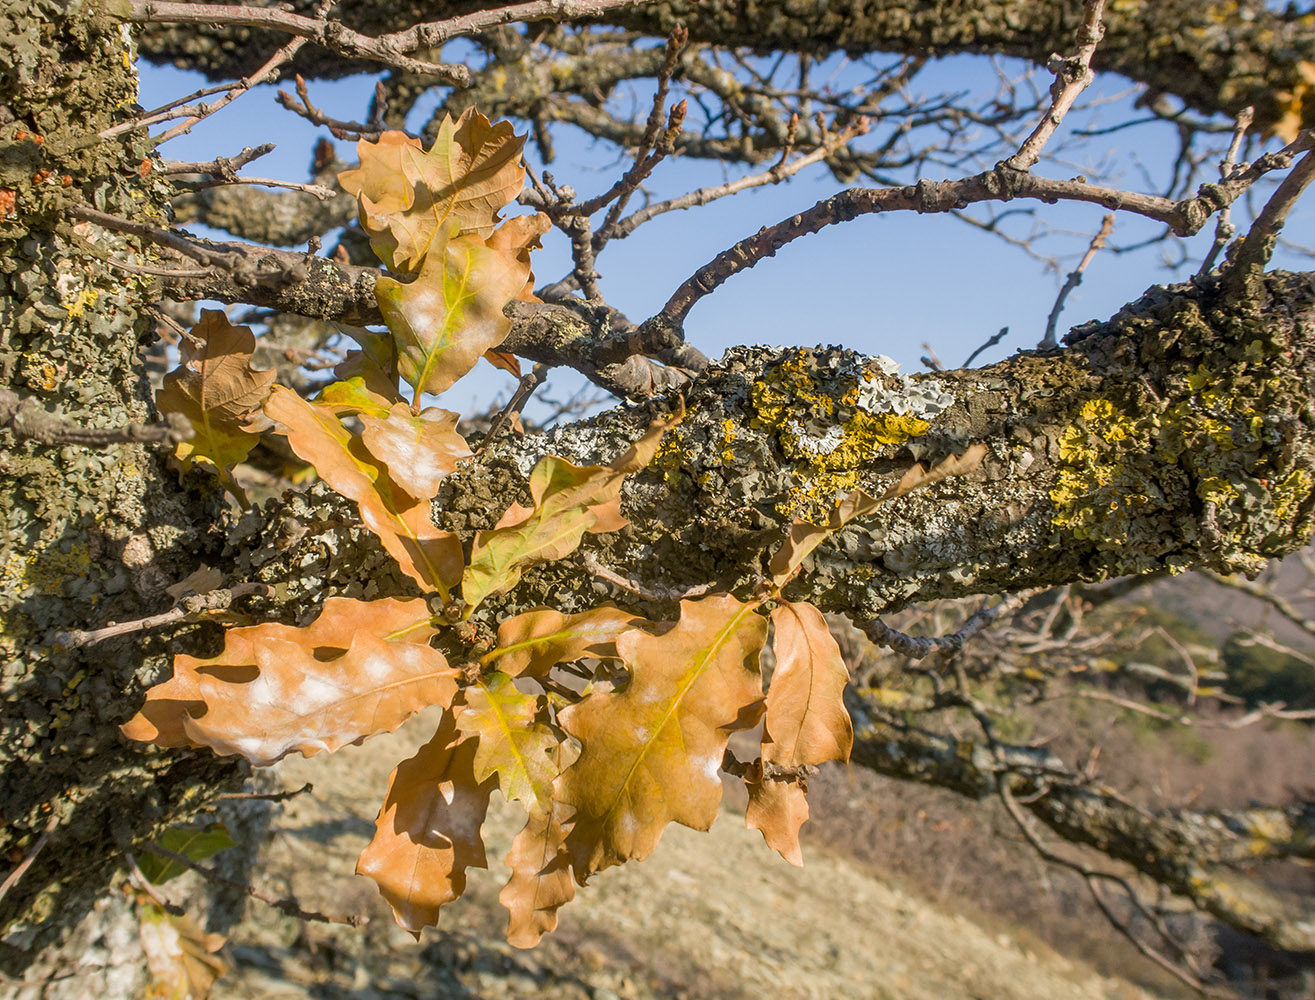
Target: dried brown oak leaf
x=428 y=830
x=569 y=500
x=408 y=195
x=534 y=642
x=652 y=751
x=541 y=881
x=362 y=667
x=216 y=390
x=431 y=557
x=806 y=724
x=450 y=314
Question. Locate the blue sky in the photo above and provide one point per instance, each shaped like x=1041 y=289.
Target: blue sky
x=880 y=284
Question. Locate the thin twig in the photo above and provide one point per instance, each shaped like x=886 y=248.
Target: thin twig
x=266 y=72
x=265 y=796
x=1257 y=246
x=531 y=381
x=994 y=339
x=917 y=647
x=12 y=878
x=164 y=237
x=188 y=608
x=307 y=110
x=1074 y=279
x=1072 y=76
x=30 y=421
x=287 y=906
x=592 y=564
x=220 y=166
x=317 y=190
x=1224 y=228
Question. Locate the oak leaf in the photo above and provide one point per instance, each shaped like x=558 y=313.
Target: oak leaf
x=407 y=195
x=805 y=537
x=419 y=450
x=515 y=741
x=431 y=557
x=194 y=842
x=532 y=643
x=179 y=954
x=428 y=830
x=652 y=751
x=216 y=390
x=160 y=720
x=361 y=667
x=568 y=500
x=541 y=881
x=445 y=319
x=805 y=724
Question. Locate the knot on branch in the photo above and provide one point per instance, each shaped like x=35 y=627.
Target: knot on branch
x=935 y=196
x=1005 y=181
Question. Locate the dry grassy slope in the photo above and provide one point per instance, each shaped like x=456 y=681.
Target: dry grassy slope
x=710 y=915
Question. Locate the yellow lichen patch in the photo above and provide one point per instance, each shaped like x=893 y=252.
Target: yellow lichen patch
x=86 y=297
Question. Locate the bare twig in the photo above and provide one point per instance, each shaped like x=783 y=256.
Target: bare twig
x=994 y=339
x=389 y=49
x=265 y=796
x=220 y=166
x=316 y=190
x=1257 y=246
x=531 y=381
x=1224 y=228
x=12 y=878
x=187 y=608
x=1072 y=76
x=1074 y=279
x=594 y=566
x=164 y=237
x=917 y=647
x=30 y=421
x=307 y=110
x=287 y=906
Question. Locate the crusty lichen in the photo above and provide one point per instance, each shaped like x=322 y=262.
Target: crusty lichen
x=834 y=417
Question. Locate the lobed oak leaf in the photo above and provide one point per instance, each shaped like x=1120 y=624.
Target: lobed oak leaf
x=428 y=830
x=652 y=751
x=179 y=954
x=451 y=313
x=806 y=723
x=169 y=703
x=568 y=501
x=299 y=702
x=504 y=360
x=532 y=643
x=521 y=234
x=803 y=537
x=777 y=808
x=216 y=390
x=541 y=881
x=419 y=450
x=407 y=195
x=515 y=741
x=431 y=557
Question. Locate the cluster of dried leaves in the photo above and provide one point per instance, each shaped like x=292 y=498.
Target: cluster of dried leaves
x=605 y=726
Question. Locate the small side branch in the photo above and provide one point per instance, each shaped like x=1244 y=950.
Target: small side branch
x=917 y=647
x=187 y=608
x=1074 y=279
x=287 y=906
x=30 y=421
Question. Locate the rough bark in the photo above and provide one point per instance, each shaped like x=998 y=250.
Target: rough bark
x=1215 y=56
x=88 y=535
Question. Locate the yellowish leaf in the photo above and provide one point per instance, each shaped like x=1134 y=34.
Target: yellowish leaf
x=428 y=830
x=419 y=450
x=777 y=808
x=431 y=557
x=451 y=313
x=569 y=500
x=533 y=642
x=516 y=743
x=652 y=751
